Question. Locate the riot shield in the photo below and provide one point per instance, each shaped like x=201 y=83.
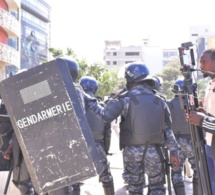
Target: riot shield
x=50 y=126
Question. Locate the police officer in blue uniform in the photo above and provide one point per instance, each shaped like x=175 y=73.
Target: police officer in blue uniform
x=21 y=177
x=98 y=129
x=145 y=125
x=181 y=130
x=73 y=67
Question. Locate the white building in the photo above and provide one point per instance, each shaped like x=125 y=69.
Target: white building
x=203 y=37
x=116 y=54
x=154 y=56
x=199 y=31
x=169 y=55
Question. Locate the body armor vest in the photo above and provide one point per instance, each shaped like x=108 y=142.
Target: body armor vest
x=179 y=123
x=144 y=122
x=96 y=125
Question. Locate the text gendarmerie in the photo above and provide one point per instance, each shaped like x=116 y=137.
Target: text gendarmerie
x=44 y=114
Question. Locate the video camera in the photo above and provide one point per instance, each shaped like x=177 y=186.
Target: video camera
x=187 y=60
x=189 y=101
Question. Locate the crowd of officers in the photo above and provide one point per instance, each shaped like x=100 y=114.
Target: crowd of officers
x=149 y=124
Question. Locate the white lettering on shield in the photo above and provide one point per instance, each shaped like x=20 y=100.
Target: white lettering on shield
x=44 y=114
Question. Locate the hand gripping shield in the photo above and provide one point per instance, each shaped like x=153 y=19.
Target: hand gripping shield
x=50 y=126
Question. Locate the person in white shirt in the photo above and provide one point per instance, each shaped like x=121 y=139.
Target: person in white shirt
x=206 y=117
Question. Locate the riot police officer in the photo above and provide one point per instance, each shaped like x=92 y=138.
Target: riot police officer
x=180 y=128
x=91 y=102
x=155 y=83
x=145 y=124
x=90 y=86
x=21 y=176
x=73 y=67
x=98 y=129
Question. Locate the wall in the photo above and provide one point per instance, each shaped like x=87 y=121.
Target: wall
x=3 y=5
x=153 y=58
x=3 y=36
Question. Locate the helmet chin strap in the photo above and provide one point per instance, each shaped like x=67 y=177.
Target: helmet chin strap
x=90 y=93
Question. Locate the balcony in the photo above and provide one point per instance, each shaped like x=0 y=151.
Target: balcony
x=9 y=56
x=9 y=23
x=13 y=4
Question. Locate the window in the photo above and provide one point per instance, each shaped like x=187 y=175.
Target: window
x=165 y=54
x=108 y=54
x=145 y=43
x=114 y=62
x=132 y=53
x=165 y=62
x=127 y=62
x=168 y=54
x=108 y=62
x=114 y=54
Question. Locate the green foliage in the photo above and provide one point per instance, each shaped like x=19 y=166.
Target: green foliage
x=202 y=85
x=70 y=52
x=170 y=73
x=108 y=81
x=55 y=52
x=83 y=67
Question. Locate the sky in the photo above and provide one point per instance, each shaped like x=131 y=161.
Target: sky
x=84 y=25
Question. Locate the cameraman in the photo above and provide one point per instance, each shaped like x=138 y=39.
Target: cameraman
x=206 y=118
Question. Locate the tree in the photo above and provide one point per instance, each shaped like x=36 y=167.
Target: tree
x=55 y=52
x=70 y=52
x=170 y=73
x=201 y=83
x=108 y=81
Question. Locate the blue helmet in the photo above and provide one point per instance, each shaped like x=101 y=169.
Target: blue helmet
x=136 y=71
x=89 y=84
x=72 y=64
x=157 y=82
x=178 y=86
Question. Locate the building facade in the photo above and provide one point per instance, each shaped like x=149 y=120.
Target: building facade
x=199 y=31
x=9 y=35
x=35 y=32
x=116 y=54
x=154 y=56
x=169 y=55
